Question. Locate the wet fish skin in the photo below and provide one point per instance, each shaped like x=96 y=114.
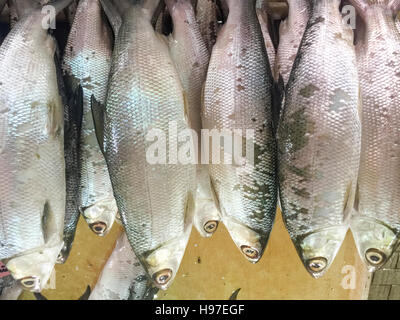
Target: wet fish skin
x=87 y=62
x=123 y=277
x=155 y=200
x=376 y=221
x=246 y=193
x=263 y=18
x=319 y=138
x=291 y=31
x=32 y=168
x=190 y=55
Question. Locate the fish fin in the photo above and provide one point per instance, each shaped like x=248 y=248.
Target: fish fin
x=278 y=91
x=234 y=294
x=86 y=294
x=113 y=15
x=98 y=118
x=39 y=296
x=74 y=114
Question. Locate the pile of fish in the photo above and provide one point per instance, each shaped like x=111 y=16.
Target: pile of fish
x=87 y=128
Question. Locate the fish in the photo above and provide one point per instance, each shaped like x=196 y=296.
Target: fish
x=87 y=62
x=190 y=54
x=145 y=100
x=73 y=113
x=291 y=31
x=237 y=97
x=123 y=277
x=208 y=16
x=375 y=222
x=319 y=139
x=263 y=19
x=32 y=165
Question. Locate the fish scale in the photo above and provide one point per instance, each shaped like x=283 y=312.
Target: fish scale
x=319 y=138
x=237 y=95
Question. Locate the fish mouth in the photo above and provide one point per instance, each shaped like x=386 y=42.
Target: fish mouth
x=162 y=278
x=31 y=283
x=99 y=227
x=252 y=254
x=211 y=226
x=375 y=258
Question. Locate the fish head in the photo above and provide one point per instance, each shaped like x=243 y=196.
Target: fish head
x=206 y=218
x=100 y=216
x=318 y=249
x=163 y=263
x=250 y=242
x=375 y=241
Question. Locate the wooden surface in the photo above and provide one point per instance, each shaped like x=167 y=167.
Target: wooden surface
x=214 y=268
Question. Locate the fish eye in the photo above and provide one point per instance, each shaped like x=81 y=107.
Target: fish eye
x=375 y=257
x=98 y=227
x=317 y=264
x=249 y=252
x=210 y=226
x=28 y=282
x=162 y=277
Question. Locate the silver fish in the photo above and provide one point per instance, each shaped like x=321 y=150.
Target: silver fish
x=237 y=96
x=319 y=139
x=263 y=18
x=87 y=62
x=145 y=98
x=32 y=168
x=291 y=32
x=191 y=57
x=376 y=221
x=123 y=277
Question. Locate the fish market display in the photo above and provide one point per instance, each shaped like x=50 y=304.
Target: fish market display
x=87 y=62
x=291 y=32
x=123 y=277
x=262 y=15
x=237 y=97
x=191 y=57
x=32 y=168
x=145 y=99
x=376 y=221
x=208 y=15
x=319 y=138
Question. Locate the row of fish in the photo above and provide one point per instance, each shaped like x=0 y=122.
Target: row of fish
x=73 y=133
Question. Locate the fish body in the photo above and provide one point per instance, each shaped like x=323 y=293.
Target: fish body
x=145 y=98
x=237 y=96
x=190 y=55
x=123 y=277
x=376 y=220
x=32 y=167
x=319 y=139
x=291 y=31
x=87 y=62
